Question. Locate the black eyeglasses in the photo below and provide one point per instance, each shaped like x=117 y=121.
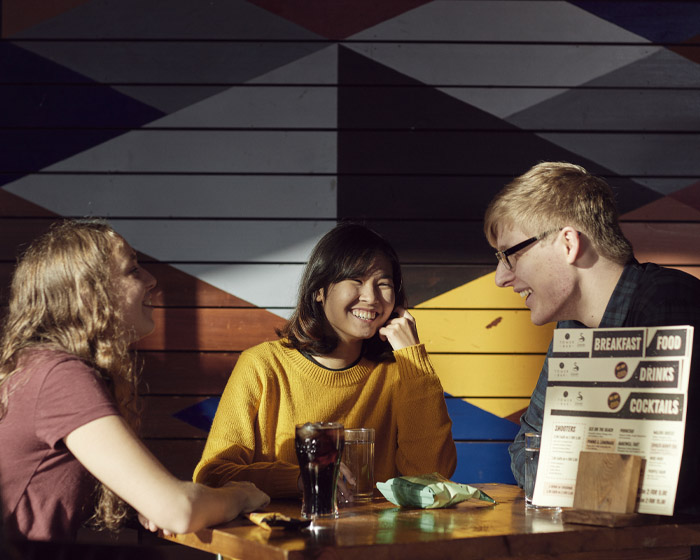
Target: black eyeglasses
x=502 y=256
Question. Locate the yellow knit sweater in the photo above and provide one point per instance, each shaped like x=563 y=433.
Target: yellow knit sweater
x=273 y=388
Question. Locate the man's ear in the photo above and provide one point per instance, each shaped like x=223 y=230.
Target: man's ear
x=572 y=243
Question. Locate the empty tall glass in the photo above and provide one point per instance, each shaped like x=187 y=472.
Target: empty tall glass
x=359 y=459
x=532 y=457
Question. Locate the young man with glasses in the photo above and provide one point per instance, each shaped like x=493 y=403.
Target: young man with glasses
x=559 y=245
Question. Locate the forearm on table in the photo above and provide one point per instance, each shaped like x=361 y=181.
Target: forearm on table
x=200 y=507
x=277 y=479
x=136 y=476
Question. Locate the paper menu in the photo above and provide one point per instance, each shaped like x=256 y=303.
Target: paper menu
x=616 y=390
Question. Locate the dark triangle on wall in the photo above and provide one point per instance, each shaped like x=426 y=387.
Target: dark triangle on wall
x=420 y=167
x=340 y=18
x=56 y=113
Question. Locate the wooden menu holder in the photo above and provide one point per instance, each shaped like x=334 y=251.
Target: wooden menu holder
x=606 y=491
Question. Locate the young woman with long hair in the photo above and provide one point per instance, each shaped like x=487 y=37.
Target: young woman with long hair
x=68 y=413
x=350 y=353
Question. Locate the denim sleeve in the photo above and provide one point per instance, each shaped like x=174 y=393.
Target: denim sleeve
x=531 y=421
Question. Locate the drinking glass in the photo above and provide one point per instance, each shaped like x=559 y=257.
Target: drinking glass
x=359 y=459
x=319 y=447
x=532 y=457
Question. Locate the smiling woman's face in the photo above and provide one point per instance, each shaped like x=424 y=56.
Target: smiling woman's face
x=357 y=307
x=133 y=286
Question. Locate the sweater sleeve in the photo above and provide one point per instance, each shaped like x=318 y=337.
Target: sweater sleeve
x=229 y=454
x=425 y=441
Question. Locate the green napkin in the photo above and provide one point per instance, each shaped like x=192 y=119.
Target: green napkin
x=429 y=491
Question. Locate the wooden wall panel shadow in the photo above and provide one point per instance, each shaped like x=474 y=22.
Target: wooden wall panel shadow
x=17 y=233
x=180 y=456
x=186 y=373
x=210 y=329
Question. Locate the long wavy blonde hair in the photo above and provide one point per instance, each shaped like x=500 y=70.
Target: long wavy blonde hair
x=63 y=297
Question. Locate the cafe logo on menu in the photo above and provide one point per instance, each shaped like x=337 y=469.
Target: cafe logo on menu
x=564 y=368
x=573 y=341
x=621 y=370
x=614 y=400
x=564 y=398
x=618 y=343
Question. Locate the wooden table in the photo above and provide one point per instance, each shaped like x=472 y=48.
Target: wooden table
x=471 y=530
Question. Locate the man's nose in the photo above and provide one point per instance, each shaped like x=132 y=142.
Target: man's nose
x=503 y=275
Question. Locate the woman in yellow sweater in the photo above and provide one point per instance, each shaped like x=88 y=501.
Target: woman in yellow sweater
x=350 y=353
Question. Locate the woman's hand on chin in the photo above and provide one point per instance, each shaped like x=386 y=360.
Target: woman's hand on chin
x=401 y=330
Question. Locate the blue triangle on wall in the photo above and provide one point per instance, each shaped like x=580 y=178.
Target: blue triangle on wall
x=473 y=423
x=200 y=415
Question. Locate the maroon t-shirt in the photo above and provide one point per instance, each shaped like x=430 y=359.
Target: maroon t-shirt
x=46 y=493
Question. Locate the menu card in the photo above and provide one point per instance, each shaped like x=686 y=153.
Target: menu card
x=620 y=390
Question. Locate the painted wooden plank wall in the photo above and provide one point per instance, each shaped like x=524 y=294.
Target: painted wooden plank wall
x=224 y=138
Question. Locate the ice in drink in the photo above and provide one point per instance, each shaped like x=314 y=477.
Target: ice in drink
x=319 y=447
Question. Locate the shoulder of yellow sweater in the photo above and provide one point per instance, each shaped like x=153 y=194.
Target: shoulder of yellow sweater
x=270 y=354
x=266 y=349
x=262 y=361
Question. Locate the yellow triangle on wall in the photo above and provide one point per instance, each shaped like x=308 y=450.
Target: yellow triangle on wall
x=480 y=293
x=484 y=347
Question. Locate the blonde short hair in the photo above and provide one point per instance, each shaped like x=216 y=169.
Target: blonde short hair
x=552 y=195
